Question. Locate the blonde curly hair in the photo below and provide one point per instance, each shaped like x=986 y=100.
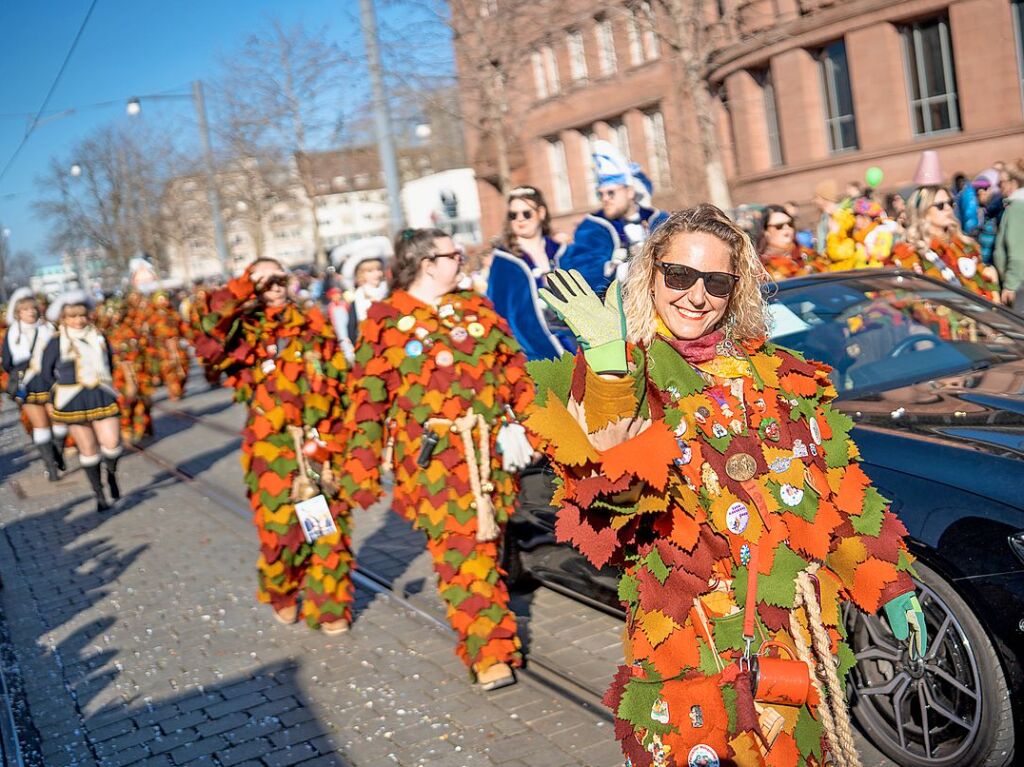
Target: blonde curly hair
x=918 y=204
x=746 y=317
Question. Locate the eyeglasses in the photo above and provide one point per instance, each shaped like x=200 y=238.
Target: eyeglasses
x=681 y=277
x=526 y=215
x=454 y=254
x=609 y=193
x=783 y=225
x=943 y=205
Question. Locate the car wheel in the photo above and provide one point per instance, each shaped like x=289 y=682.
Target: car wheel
x=952 y=710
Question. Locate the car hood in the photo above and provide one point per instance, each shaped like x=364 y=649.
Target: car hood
x=976 y=419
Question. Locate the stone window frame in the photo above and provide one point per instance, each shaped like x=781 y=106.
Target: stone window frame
x=577 y=50
x=830 y=85
x=912 y=40
x=558 y=168
x=604 y=33
x=656 y=138
x=1017 y=12
x=763 y=78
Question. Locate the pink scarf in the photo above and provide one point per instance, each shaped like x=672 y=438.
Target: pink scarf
x=700 y=349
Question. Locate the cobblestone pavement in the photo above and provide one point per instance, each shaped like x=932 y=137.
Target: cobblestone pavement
x=139 y=640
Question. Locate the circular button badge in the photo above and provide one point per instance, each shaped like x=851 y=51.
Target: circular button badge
x=737 y=517
x=444 y=358
x=414 y=348
x=459 y=335
x=475 y=329
x=406 y=323
x=703 y=756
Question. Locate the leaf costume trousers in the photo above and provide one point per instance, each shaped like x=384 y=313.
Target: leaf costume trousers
x=288 y=565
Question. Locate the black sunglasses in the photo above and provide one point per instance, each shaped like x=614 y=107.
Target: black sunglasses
x=782 y=225
x=680 y=277
x=942 y=205
x=525 y=214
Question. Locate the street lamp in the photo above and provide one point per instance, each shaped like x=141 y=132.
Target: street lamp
x=134 y=107
x=76 y=170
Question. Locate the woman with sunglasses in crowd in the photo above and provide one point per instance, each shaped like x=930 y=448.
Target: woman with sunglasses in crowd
x=935 y=246
x=23 y=345
x=77 y=368
x=709 y=465
x=778 y=249
x=524 y=256
x=287 y=368
x=437 y=387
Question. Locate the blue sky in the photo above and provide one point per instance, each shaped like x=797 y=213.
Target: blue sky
x=130 y=47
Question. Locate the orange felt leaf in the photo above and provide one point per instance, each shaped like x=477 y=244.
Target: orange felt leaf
x=784 y=752
x=800 y=385
x=814 y=538
x=685 y=529
x=647 y=455
x=869 y=579
x=850 y=497
x=678 y=651
x=568 y=444
x=681 y=695
x=274 y=484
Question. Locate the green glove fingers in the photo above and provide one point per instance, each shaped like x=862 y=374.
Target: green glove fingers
x=905 y=616
x=599 y=326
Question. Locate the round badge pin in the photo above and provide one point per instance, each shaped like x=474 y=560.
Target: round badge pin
x=459 y=335
x=791 y=495
x=968 y=266
x=741 y=467
x=702 y=755
x=815 y=430
x=445 y=358
x=737 y=517
x=781 y=464
x=414 y=349
x=405 y=324
x=475 y=329
x=421 y=333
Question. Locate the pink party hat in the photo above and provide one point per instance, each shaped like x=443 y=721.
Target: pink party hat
x=928 y=173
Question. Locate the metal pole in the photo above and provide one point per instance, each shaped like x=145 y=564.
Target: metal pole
x=211 y=179
x=385 y=141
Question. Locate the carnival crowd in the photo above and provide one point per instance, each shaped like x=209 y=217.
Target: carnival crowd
x=628 y=369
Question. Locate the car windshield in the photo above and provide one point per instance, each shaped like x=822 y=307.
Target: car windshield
x=881 y=331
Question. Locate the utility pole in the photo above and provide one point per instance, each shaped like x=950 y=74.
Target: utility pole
x=211 y=179
x=385 y=139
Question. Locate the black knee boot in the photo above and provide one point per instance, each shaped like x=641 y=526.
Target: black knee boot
x=93 y=473
x=111 y=466
x=46 y=452
x=58 y=452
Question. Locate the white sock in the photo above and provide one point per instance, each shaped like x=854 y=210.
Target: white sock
x=41 y=436
x=60 y=430
x=112 y=454
x=89 y=460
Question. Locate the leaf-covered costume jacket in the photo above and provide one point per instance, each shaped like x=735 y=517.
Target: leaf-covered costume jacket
x=413 y=363
x=957 y=262
x=287 y=368
x=168 y=330
x=796 y=263
x=650 y=479
x=127 y=331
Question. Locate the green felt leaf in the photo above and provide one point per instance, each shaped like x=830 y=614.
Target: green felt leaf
x=552 y=377
x=455 y=595
x=669 y=369
x=474 y=644
x=629 y=589
x=729 y=699
x=635 y=707
x=375 y=388
x=870 y=520
x=806 y=509
x=778 y=587
x=493 y=612
x=904 y=564
x=847 y=660
x=805 y=408
x=708 y=664
x=807 y=734
x=656 y=566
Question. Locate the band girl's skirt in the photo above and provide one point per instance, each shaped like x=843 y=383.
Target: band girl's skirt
x=88 y=405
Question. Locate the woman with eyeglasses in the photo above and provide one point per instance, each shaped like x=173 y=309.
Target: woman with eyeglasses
x=437 y=388
x=524 y=256
x=709 y=465
x=26 y=338
x=778 y=249
x=936 y=247
x=287 y=367
x=77 y=369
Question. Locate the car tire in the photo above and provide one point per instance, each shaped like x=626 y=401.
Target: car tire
x=961 y=678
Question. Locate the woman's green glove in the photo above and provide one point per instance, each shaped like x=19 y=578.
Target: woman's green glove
x=599 y=325
x=905 y=615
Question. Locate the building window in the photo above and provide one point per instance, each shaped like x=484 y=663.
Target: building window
x=931 y=78
x=540 y=80
x=605 y=46
x=835 y=78
x=771 y=115
x=577 y=56
x=551 y=69
x=619 y=136
x=587 y=148
x=488 y=7
x=643 y=40
x=657 y=149
x=559 y=175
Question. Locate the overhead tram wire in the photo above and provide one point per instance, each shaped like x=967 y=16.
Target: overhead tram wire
x=49 y=93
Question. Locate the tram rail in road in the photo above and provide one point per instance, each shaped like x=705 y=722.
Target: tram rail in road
x=539 y=670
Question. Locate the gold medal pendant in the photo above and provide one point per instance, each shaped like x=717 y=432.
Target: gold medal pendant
x=741 y=467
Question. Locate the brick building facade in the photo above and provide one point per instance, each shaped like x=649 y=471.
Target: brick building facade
x=803 y=90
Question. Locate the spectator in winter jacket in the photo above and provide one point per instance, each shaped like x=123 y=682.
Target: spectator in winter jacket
x=1009 y=250
x=966 y=205
x=990 y=203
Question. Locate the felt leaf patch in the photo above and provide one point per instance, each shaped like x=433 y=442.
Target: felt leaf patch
x=647 y=456
x=657 y=626
x=568 y=442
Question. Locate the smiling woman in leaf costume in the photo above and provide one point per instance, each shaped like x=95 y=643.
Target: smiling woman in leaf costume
x=711 y=467
x=436 y=386
x=288 y=369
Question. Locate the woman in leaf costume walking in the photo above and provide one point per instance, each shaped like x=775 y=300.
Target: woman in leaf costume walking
x=286 y=366
x=168 y=330
x=710 y=466
x=126 y=325
x=437 y=384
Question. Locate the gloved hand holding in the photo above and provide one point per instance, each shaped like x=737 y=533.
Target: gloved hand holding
x=515 y=448
x=599 y=326
x=905 y=616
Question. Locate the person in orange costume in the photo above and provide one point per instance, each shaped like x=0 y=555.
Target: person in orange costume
x=128 y=330
x=168 y=330
x=436 y=386
x=709 y=465
x=288 y=369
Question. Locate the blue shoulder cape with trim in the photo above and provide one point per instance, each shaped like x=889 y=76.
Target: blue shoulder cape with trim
x=596 y=240
x=512 y=289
